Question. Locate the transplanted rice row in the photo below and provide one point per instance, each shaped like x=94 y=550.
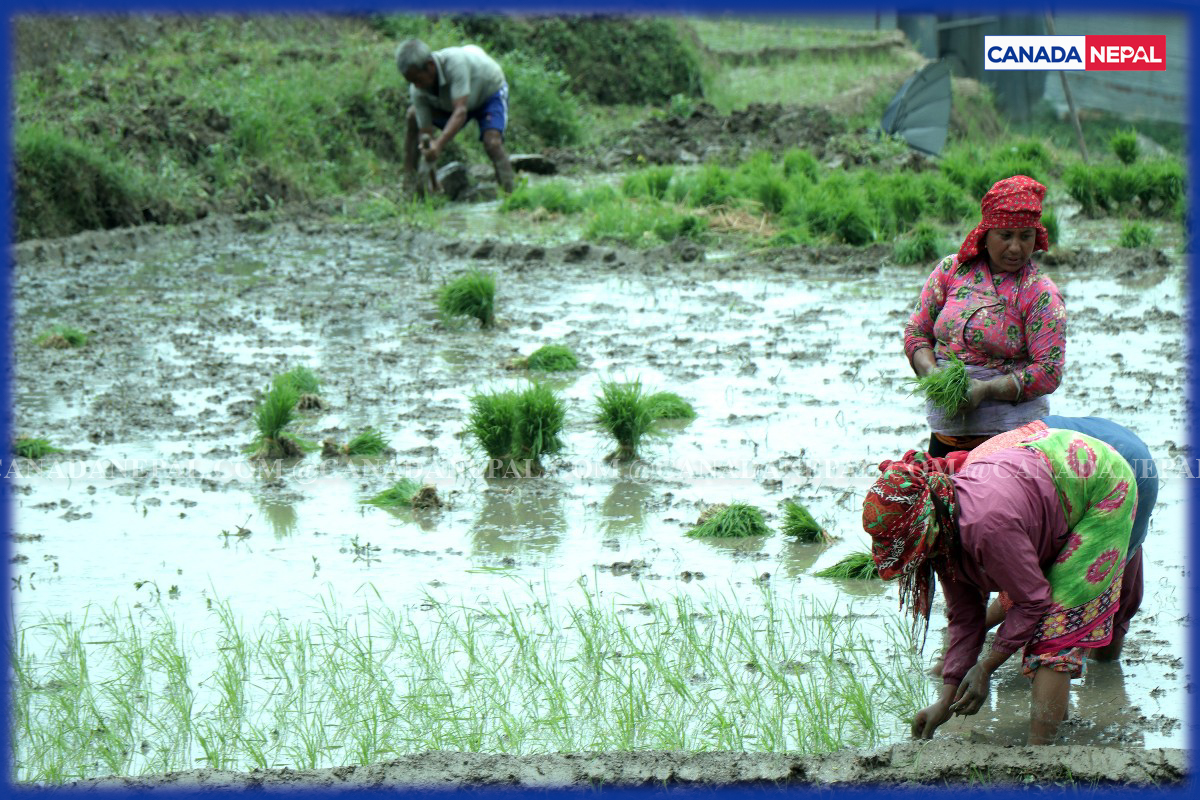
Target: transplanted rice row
x=530 y=675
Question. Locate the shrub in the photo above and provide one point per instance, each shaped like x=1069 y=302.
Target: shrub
x=544 y=110
x=735 y=521
x=623 y=410
x=470 y=295
x=1136 y=234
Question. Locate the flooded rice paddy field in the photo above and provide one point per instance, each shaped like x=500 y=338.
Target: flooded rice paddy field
x=793 y=361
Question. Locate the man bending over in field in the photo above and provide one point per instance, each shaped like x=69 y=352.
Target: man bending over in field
x=447 y=88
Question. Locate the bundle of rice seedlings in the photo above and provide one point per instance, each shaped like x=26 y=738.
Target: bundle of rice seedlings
x=399 y=495
x=624 y=411
x=1050 y=223
x=29 y=447
x=798 y=523
x=735 y=521
x=946 y=387
x=552 y=358
x=1124 y=145
x=491 y=422
x=275 y=412
x=307 y=386
x=472 y=294
x=856 y=566
x=62 y=337
x=539 y=420
x=923 y=245
x=668 y=405
x=368 y=443
x=1136 y=234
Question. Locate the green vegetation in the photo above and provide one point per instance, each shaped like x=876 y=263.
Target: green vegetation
x=1136 y=234
x=275 y=412
x=1152 y=188
x=515 y=429
x=33 y=448
x=1050 y=223
x=922 y=246
x=624 y=411
x=552 y=358
x=668 y=405
x=301 y=379
x=1124 y=145
x=734 y=521
x=946 y=386
x=855 y=566
x=399 y=495
x=62 y=337
x=292 y=693
x=472 y=294
x=800 y=525
x=368 y=443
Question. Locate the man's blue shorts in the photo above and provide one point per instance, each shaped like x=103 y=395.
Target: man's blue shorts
x=491 y=116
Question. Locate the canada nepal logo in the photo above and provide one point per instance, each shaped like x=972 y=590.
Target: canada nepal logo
x=1110 y=52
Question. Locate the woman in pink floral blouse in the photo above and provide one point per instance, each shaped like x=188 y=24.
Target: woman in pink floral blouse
x=991 y=306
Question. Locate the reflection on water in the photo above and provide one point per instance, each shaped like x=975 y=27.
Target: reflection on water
x=518 y=516
x=799 y=557
x=624 y=508
x=281 y=515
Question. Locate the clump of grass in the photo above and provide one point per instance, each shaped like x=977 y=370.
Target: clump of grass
x=922 y=246
x=1136 y=234
x=306 y=385
x=472 y=294
x=30 y=447
x=1124 y=145
x=799 y=524
x=856 y=566
x=946 y=387
x=624 y=410
x=62 y=337
x=734 y=521
x=275 y=412
x=668 y=405
x=517 y=428
x=398 y=495
x=552 y=358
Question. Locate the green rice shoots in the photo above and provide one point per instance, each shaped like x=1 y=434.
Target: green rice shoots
x=799 y=524
x=399 y=495
x=947 y=387
x=62 y=337
x=668 y=405
x=368 y=443
x=472 y=294
x=625 y=412
x=735 y=521
x=32 y=448
x=552 y=358
x=856 y=566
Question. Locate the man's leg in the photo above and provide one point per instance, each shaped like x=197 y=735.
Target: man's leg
x=493 y=144
x=410 y=151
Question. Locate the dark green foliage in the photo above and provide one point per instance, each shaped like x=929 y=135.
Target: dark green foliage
x=552 y=358
x=472 y=294
x=735 y=521
x=65 y=185
x=399 y=495
x=1136 y=234
x=624 y=411
x=799 y=524
x=28 y=447
x=946 y=386
x=611 y=59
x=1124 y=145
x=368 y=443
x=856 y=566
x=62 y=336
x=923 y=245
x=668 y=405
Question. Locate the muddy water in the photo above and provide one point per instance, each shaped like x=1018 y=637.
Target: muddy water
x=794 y=367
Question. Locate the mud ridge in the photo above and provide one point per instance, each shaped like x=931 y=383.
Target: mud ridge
x=910 y=764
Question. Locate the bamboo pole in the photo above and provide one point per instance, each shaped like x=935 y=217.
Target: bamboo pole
x=1070 y=101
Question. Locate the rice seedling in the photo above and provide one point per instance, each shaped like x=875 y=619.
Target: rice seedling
x=491 y=422
x=668 y=405
x=275 y=412
x=306 y=385
x=540 y=415
x=623 y=410
x=1124 y=145
x=735 y=521
x=801 y=164
x=472 y=294
x=651 y=182
x=33 y=448
x=946 y=386
x=552 y=358
x=368 y=443
x=923 y=245
x=399 y=495
x=1136 y=234
x=1050 y=223
x=799 y=524
x=855 y=566
x=62 y=337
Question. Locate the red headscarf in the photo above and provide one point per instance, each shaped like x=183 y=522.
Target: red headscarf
x=910 y=515
x=1014 y=202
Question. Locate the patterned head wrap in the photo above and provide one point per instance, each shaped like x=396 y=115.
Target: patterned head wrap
x=909 y=514
x=1014 y=202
